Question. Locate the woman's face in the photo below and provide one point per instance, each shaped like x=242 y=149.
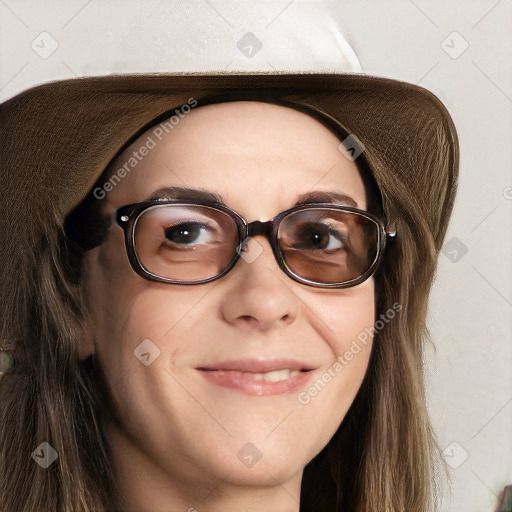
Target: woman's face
x=199 y=433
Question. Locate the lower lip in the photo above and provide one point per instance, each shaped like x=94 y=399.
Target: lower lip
x=245 y=382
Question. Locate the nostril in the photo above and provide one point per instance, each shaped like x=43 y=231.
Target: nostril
x=248 y=319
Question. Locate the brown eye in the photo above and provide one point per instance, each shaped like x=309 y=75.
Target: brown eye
x=187 y=233
x=315 y=235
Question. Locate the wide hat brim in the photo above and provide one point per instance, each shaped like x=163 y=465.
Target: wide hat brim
x=57 y=138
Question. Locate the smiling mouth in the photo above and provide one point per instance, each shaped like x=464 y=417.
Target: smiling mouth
x=270 y=376
x=258 y=378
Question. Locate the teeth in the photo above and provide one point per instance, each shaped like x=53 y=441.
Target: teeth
x=276 y=375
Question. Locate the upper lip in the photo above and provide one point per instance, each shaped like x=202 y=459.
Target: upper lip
x=258 y=365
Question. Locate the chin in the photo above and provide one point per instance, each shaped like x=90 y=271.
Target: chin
x=263 y=464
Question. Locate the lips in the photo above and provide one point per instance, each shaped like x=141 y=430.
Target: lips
x=258 y=365
x=258 y=377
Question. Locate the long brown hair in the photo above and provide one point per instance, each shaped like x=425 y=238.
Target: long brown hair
x=382 y=457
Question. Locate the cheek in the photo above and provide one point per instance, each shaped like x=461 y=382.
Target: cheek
x=345 y=316
x=115 y=292
x=345 y=322
x=131 y=314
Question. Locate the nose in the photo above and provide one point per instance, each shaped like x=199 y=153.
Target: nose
x=257 y=292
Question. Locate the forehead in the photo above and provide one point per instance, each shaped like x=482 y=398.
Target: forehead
x=244 y=151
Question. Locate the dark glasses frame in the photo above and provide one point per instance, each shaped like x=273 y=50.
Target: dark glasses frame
x=128 y=215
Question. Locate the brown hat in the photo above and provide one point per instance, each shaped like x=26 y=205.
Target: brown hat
x=57 y=138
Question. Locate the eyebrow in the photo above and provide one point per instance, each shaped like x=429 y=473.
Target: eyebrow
x=326 y=197
x=207 y=196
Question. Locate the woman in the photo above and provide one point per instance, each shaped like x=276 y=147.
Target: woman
x=177 y=351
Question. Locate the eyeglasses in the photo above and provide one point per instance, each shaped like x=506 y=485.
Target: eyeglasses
x=188 y=242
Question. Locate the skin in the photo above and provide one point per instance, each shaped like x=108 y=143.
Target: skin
x=175 y=437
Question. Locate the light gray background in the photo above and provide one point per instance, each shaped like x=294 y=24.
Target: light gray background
x=469 y=373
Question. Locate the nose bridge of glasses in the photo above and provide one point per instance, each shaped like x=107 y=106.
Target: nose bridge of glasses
x=258 y=227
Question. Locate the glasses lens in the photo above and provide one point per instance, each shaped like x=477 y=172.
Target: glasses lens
x=185 y=243
x=328 y=246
